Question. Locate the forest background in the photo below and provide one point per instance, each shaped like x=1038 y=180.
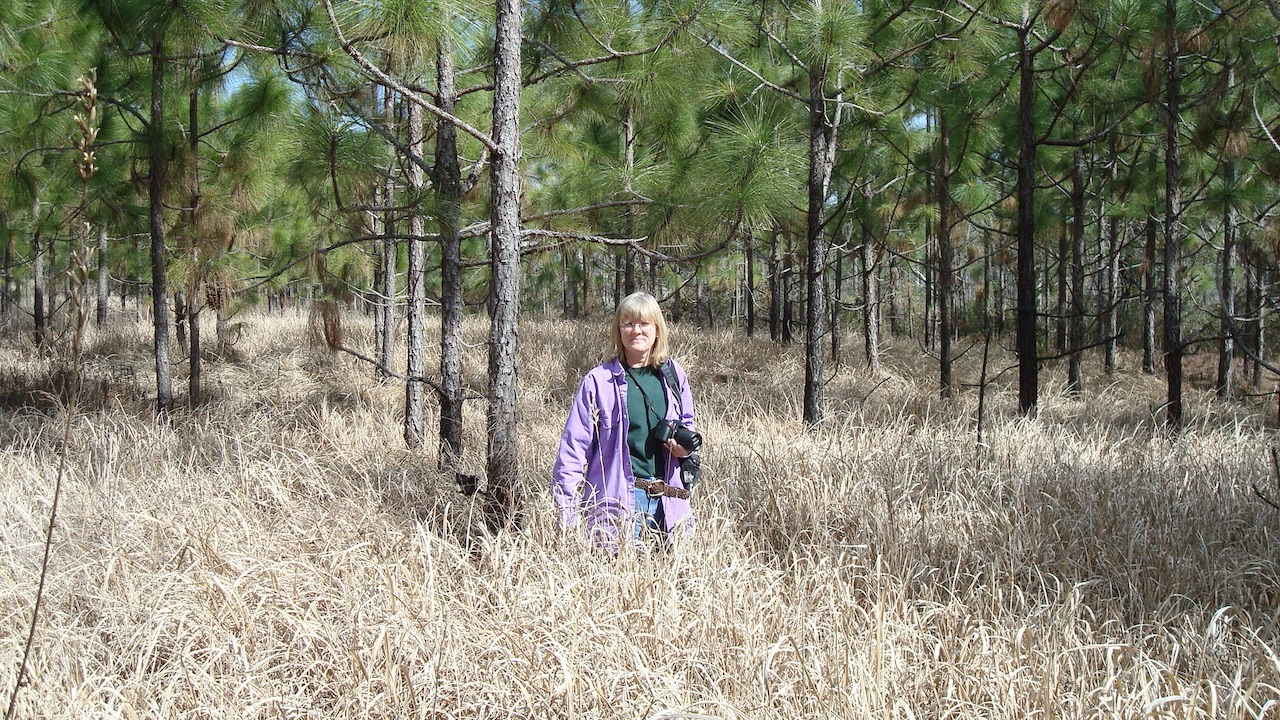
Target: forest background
x=1008 y=181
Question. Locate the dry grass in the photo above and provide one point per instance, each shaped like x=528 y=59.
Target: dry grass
x=278 y=554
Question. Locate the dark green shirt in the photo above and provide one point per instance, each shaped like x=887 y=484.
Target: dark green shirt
x=646 y=407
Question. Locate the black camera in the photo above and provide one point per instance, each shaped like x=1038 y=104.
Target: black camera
x=667 y=429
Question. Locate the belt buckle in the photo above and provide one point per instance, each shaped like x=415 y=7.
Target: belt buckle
x=656 y=489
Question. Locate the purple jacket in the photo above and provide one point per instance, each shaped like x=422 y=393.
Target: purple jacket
x=592 y=480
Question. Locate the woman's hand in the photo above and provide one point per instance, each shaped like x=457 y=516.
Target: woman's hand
x=677 y=450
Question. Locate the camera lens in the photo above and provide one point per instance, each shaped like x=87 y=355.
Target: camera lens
x=688 y=439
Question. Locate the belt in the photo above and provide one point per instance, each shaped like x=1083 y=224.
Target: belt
x=658 y=488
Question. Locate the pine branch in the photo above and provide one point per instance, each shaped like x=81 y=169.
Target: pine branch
x=376 y=73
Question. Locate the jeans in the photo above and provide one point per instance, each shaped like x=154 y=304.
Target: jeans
x=649 y=516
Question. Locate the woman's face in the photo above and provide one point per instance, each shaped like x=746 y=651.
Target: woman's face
x=638 y=338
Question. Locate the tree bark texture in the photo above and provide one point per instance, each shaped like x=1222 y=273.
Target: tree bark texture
x=103 y=300
x=1028 y=362
x=946 y=279
x=1173 y=349
x=502 y=460
x=159 y=253
x=1149 y=297
x=38 y=281
x=1075 y=320
x=415 y=343
x=815 y=300
x=870 y=303
x=448 y=187
x=1227 y=291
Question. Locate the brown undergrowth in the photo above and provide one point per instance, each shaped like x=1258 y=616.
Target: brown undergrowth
x=277 y=553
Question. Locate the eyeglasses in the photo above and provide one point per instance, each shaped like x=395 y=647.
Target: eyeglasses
x=641 y=326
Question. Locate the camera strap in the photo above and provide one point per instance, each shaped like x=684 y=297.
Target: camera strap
x=669 y=372
x=691 y=466
x=653 y=412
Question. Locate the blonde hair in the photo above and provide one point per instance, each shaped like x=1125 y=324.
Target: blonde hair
x=641 y=307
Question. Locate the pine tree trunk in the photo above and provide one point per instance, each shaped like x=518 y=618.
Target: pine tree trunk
x=196 y=362
x=7 y=298
x=1227 y=291
x=1260 y=326
x=1028 y=362
x=415 y=342
x=103 y=298
x=946 y=279
x=194 y=284
x=585 y=263
x=1060 y=313
x=984 y=308
x=380 y=325
x=929 y=268
x=388 y=253
x=569 y=283
x=1111 y=295
x=815 y=299
x=870 y=303
x=1111 y=278
x=159 y=255
x=180 y=319
x=222 y=318
x=38 y=281
x=387 y=300
x=502 y=458
x=788 y=302
x=775 y=289
x=837 y=298
x=749 y=258
x=448 y=187
x=1173 y=349
x=1075 y=324
x=1149 y=298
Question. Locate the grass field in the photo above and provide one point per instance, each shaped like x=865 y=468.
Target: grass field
x=278 y=553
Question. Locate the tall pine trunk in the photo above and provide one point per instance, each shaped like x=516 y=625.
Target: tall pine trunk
x=1028 y=362
x=194 y=284
x=1111 y=274
x=38 y=281
x=815 y=236
x=448 y=188
x=159 y=255
x=385 y=311
x=1149 y=297
x=1075 y=324
x=502 y=459
x=415 y=343
x=870 y=303
x=1227 y=290
x=103 y=300
x=748 y=251
x=946 y=279
x=1173 y=349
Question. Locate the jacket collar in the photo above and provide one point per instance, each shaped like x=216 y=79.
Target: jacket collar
x=614 y=365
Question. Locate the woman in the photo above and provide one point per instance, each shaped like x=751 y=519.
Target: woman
x=615 y=472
